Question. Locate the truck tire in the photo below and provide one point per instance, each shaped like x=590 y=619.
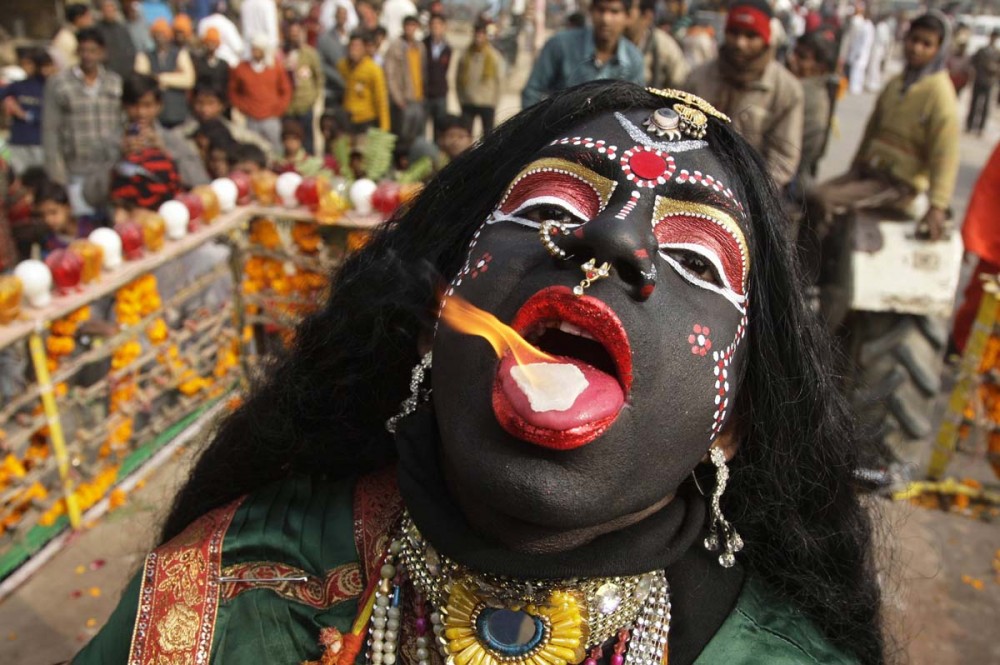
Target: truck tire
x=897 y=376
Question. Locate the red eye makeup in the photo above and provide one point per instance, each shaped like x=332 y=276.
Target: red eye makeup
x=710 y=233
x=561 y=182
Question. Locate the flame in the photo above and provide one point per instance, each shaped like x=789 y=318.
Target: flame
x=466 y=318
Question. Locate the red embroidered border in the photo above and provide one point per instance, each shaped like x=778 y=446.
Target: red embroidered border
x=340 y=584
x=377 y=508
x=179 y=597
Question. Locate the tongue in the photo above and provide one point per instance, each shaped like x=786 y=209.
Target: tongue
x=560 y=395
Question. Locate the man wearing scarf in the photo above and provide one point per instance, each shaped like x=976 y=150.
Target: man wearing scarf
x=910 y=144
x=746 y=83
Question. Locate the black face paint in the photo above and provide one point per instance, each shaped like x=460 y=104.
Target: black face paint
x=667 y=325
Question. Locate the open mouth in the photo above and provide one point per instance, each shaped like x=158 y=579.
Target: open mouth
x=573 y=396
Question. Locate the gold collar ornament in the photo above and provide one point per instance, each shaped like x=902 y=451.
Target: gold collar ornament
x=479 y=619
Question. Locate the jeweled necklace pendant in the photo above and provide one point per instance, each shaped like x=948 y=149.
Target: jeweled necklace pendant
x=481 y=619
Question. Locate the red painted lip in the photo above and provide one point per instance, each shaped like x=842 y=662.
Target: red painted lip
x=558 y=303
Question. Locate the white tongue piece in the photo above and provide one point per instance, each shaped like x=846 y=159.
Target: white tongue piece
x=550 y=386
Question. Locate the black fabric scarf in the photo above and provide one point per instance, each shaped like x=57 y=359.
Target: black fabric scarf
x=702 y=593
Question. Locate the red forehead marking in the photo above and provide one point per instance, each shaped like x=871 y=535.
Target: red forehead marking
x=647 y=167
x=679 y=228
x=551 y=183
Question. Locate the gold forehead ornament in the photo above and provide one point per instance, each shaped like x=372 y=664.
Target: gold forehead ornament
x=689 y=116
x=688 y=99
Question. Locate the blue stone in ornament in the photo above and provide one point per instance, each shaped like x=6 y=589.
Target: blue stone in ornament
x=509 y=632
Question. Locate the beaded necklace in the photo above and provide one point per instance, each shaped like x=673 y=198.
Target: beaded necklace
x=481 y=619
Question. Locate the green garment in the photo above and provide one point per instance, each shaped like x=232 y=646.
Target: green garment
x=308 y=523
x=306 y=73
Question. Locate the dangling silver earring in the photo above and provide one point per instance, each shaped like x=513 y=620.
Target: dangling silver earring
x=417 y=395
x=721 y=528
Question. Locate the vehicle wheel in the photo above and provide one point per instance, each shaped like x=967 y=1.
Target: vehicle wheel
x=897 y=376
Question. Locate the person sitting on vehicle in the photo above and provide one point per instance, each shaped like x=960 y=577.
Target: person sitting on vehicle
x=910 y=145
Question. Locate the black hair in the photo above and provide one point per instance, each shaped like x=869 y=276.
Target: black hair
x=206 y=89
x=92 y=35
x=823 y=47
x=75 y=11
x=647 y=6
x=929 y=22
x=136 y=86
x=627 y=3
x=292 y=127
x=216 y=132
x=791 y=495
x=40 y=58
x=438 y=16
x=452 y=121
x=51 y=191
x=379 y=30
x=410 y=19
x=248 y=152
x=364 y=35
x=33 y=178
x=576 y=20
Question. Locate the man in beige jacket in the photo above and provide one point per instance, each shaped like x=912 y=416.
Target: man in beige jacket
x=478 y=81
x=745 y=82
x=661 y=54
x=405 y=71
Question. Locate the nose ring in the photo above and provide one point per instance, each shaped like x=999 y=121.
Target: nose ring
x=591 y=273
x=546 y=231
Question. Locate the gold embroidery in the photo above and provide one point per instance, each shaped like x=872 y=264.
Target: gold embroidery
x=178 y=629
x=693 y=122
x=664 y=206
x=183 y=575
x=340 y=584
x=602 y=186
x=179 y=597
x=690 y=100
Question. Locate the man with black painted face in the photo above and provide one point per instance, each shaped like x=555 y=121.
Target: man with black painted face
x=764 y=100
x=645 y=464
x=576 y=56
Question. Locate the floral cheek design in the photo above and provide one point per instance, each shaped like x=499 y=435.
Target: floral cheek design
x=699 y=340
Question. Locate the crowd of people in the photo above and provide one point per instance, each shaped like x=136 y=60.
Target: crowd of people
x=114 y=98
x=118 y=112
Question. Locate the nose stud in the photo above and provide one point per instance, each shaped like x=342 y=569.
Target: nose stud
x=591 y=274
x=546 y=231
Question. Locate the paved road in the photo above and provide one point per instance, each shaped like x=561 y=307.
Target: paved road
x=936 y=617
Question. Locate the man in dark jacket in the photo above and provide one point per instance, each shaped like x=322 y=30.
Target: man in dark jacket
x=120 y=48
x=210 y=70
x=438 y=60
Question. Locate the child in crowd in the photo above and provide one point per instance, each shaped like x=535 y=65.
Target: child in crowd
x=53 y=226
x=215 y=147
x=249 y=158
x=297 y=159
x=22 y=101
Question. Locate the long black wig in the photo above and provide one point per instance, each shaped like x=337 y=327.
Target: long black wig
x=323 y=407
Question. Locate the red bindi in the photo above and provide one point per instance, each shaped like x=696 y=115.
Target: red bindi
x=647 y=165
